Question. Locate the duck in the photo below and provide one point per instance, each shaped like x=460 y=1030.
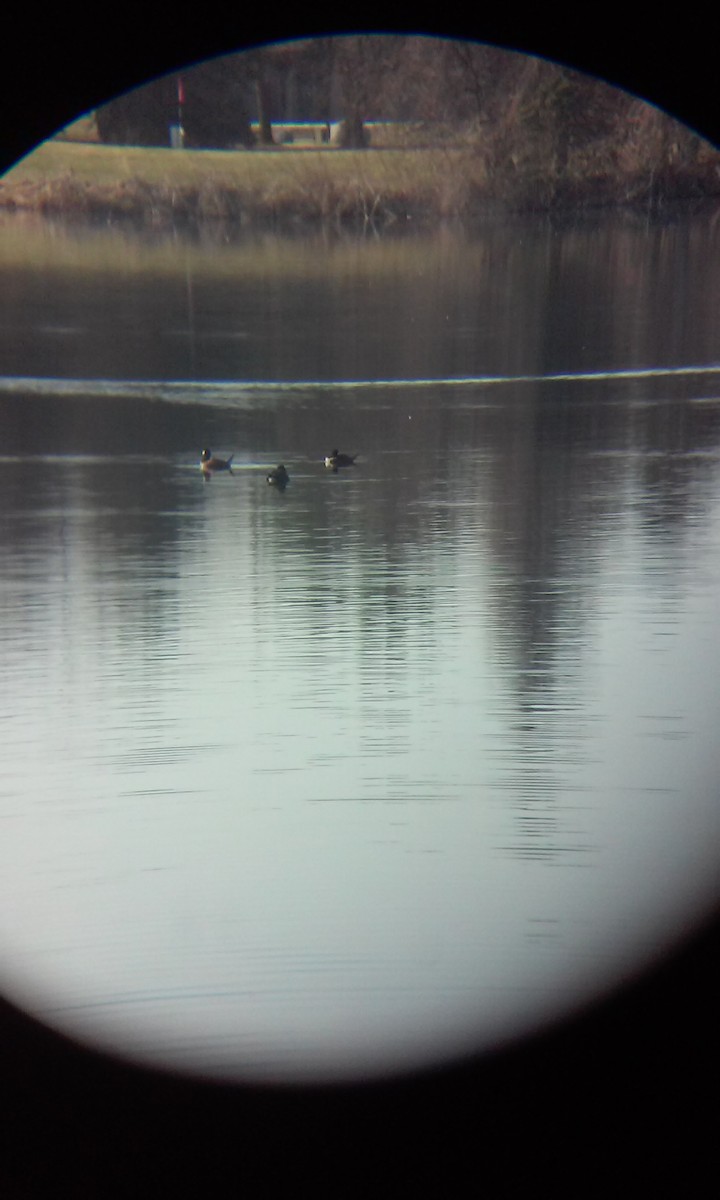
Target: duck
x=208 y=462
x=336 y=459
x=278 y=476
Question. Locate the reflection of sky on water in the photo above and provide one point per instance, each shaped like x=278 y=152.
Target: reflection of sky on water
x=423 y=748
x=300 y=783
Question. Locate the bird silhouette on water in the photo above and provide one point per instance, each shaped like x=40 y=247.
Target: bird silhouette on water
x=335 y=460
x=278 y=477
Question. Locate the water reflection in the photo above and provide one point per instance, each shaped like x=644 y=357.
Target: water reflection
x=308 y=780
x=515 y=298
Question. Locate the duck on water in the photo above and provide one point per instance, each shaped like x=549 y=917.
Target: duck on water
x=335 y=459
x=278 y=477
x=209 y=462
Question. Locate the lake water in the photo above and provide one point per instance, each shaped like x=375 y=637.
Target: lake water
x=405 y=760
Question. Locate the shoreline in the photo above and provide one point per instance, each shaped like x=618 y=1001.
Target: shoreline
x=294 y=188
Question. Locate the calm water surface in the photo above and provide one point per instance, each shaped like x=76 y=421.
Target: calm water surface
x=403 y=760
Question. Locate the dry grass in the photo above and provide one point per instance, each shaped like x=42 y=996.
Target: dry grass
x=308 y=184
x=381 y=187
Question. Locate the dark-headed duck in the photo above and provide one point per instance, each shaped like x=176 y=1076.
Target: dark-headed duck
x=336 y=459
x=278 y=476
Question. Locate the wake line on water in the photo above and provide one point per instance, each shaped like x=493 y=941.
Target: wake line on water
x=199 y=389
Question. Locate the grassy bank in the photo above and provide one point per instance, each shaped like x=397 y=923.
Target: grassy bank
x=284 y=184
x=312 y=185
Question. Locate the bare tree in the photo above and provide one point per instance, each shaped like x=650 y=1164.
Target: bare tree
x=361 y=65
